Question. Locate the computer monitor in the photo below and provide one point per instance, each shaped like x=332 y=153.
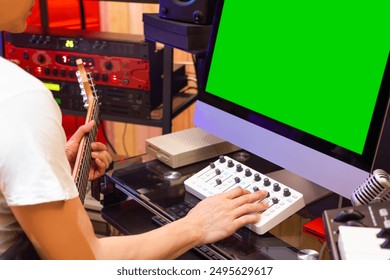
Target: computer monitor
x=302 y=85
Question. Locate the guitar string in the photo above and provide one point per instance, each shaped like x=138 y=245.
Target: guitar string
x=85 y=161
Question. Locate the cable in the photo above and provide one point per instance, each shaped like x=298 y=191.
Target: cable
x=321 y=253
x=123 y=140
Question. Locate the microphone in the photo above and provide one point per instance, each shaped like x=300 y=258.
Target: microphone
x=376 y=188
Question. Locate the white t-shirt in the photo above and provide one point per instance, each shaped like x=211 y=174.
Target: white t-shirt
x=33 y=165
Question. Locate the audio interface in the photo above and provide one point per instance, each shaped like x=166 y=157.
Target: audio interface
x=113 y=59
x=126 y=69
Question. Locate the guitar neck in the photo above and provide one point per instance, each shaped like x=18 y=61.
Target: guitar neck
x=83 y=160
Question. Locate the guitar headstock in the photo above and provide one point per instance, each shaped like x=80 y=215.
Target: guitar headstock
x=86 y=84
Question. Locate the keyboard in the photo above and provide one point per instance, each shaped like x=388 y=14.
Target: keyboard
x=226 y=173
x=363 y=236
x=364 y=243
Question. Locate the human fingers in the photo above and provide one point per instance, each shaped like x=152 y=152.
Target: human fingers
x=233 y=193
x=82 y=130
x=243 y=220
x=98 y=146
x=249 y=197
x=102 y=158
x=250 y=208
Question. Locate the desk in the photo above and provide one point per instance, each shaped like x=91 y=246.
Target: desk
x=137 y=192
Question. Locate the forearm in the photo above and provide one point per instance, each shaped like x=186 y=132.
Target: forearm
x=167 y=242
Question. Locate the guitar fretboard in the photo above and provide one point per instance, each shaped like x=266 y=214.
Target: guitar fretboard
x=83 y=162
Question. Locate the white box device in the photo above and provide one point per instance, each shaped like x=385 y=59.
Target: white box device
x=187 y=146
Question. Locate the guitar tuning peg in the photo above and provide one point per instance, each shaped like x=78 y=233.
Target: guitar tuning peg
x=78 y=74
x=85 y=99
x=83 y=92
x=86 y=105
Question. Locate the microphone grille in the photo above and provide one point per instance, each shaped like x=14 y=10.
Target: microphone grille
x=375 y=188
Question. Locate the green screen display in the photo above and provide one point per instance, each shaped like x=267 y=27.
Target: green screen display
x=314 y=65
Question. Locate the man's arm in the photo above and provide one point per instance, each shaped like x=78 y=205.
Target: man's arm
x=63 y=230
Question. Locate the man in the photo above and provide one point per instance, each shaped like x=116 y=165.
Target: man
x=38 y=195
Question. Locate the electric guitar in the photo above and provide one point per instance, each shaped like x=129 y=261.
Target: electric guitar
x=91 y=103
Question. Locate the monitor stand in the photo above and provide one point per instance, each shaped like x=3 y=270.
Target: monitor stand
x=311 y=191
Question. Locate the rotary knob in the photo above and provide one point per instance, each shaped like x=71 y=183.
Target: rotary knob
x=108 y=65
x=286 y=192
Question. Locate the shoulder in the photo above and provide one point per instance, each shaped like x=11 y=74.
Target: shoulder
x=14 y=80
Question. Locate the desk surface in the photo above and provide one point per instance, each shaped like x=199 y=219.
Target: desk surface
x=137 y=190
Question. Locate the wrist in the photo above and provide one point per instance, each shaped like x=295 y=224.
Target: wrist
x=193 y=231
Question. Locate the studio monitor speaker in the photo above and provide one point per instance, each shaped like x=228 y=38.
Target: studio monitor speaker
x=191 y=11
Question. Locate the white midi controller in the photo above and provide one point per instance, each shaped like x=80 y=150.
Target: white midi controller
x=226 y=173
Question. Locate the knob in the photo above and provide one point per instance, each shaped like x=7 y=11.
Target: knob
x=198 y=16
x=248 y=172
x=230 y=163
x=276 y=187
x=237 y=179
x=47 y=40
x=108 y=65
x=218 y=181
x=222 y=159
x=257 y=177
x=275 y=200
x=212 y=165
x=267 y=182
x=239 y=168
x=33 y=39
x=256 y=189
x=217 y=171
x=41 y=58
x=286 y=192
